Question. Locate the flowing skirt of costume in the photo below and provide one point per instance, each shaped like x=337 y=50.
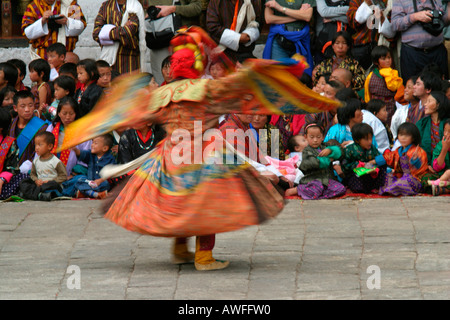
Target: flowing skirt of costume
x=168 y=200
x=404 y=185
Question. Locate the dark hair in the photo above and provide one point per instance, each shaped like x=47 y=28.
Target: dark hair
x=49 y=138
x=430 y=81
x=22 y=94
x=361 y=131
x=443 y=107
x=434 y=68
x=375 y=105
x=91 y=68
x=445 y=85
x=347 y=112
x=5 y=120
x=447 y=122
x=67 y=100
x=313 y=125
x=108 y=140
x=306 y=80
x=42 y=67
x=347 y=38
x=336 y=85
x=67 y=83
x=19 y=64
x=10 y=73
x=291 y=143
x=166 y=62
x=102 y=64
x=57 y=47
x=5 y=91
x=68 y=68
x=345 y=94
x=410 y=129
x=379 y=52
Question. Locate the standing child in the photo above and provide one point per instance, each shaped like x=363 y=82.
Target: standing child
x=47 y=171
x=383 y=82
x=408 y=162
x=63 y=86
x=56 y=55
x=89 y=92
x=92 y=185
x=40 y=75
x=316 y=165
x=363 y=153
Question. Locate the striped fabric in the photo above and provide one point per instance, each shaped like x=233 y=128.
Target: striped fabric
x=415 y=113
x=362 y=35
x=128 y=36
x=34 y=12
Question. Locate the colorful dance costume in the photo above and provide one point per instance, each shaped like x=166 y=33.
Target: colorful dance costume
x=408 y=165
x=178 y=190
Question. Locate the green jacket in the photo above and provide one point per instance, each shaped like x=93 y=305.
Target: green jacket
x=424 y=126
x=436 y=153
x=318 y=168
x=189 y=10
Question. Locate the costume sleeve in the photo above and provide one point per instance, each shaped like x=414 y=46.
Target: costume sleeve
x=62 y=173
x=12 y=160
x=351 y=14
x=390 y=157
x=214 y=24
x=76 y=20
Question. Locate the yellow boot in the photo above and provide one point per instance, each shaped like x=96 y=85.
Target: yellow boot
x=180 y=252
x=204 y=260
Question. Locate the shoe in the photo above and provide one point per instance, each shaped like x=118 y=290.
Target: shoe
x=102 y=195
x=45 y=196
x=436 y=190
x=183 y=258
x=216 y=265
x=79 y=195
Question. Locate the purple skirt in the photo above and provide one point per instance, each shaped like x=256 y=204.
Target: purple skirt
x=12 y=187
x=315 y=190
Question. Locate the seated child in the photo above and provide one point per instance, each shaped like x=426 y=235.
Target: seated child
x=316 y=165
x=47 y=171
x=363 y=153
x=92 y=185
x=56 y=55
x=441 y=163
x=289 y=167
x=382 y=131
x=7 y=97
x=64 y=86
x=409 y=163
x=10 y=175
x=105 y=75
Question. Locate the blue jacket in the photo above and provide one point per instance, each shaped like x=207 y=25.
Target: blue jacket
x=95 y=165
